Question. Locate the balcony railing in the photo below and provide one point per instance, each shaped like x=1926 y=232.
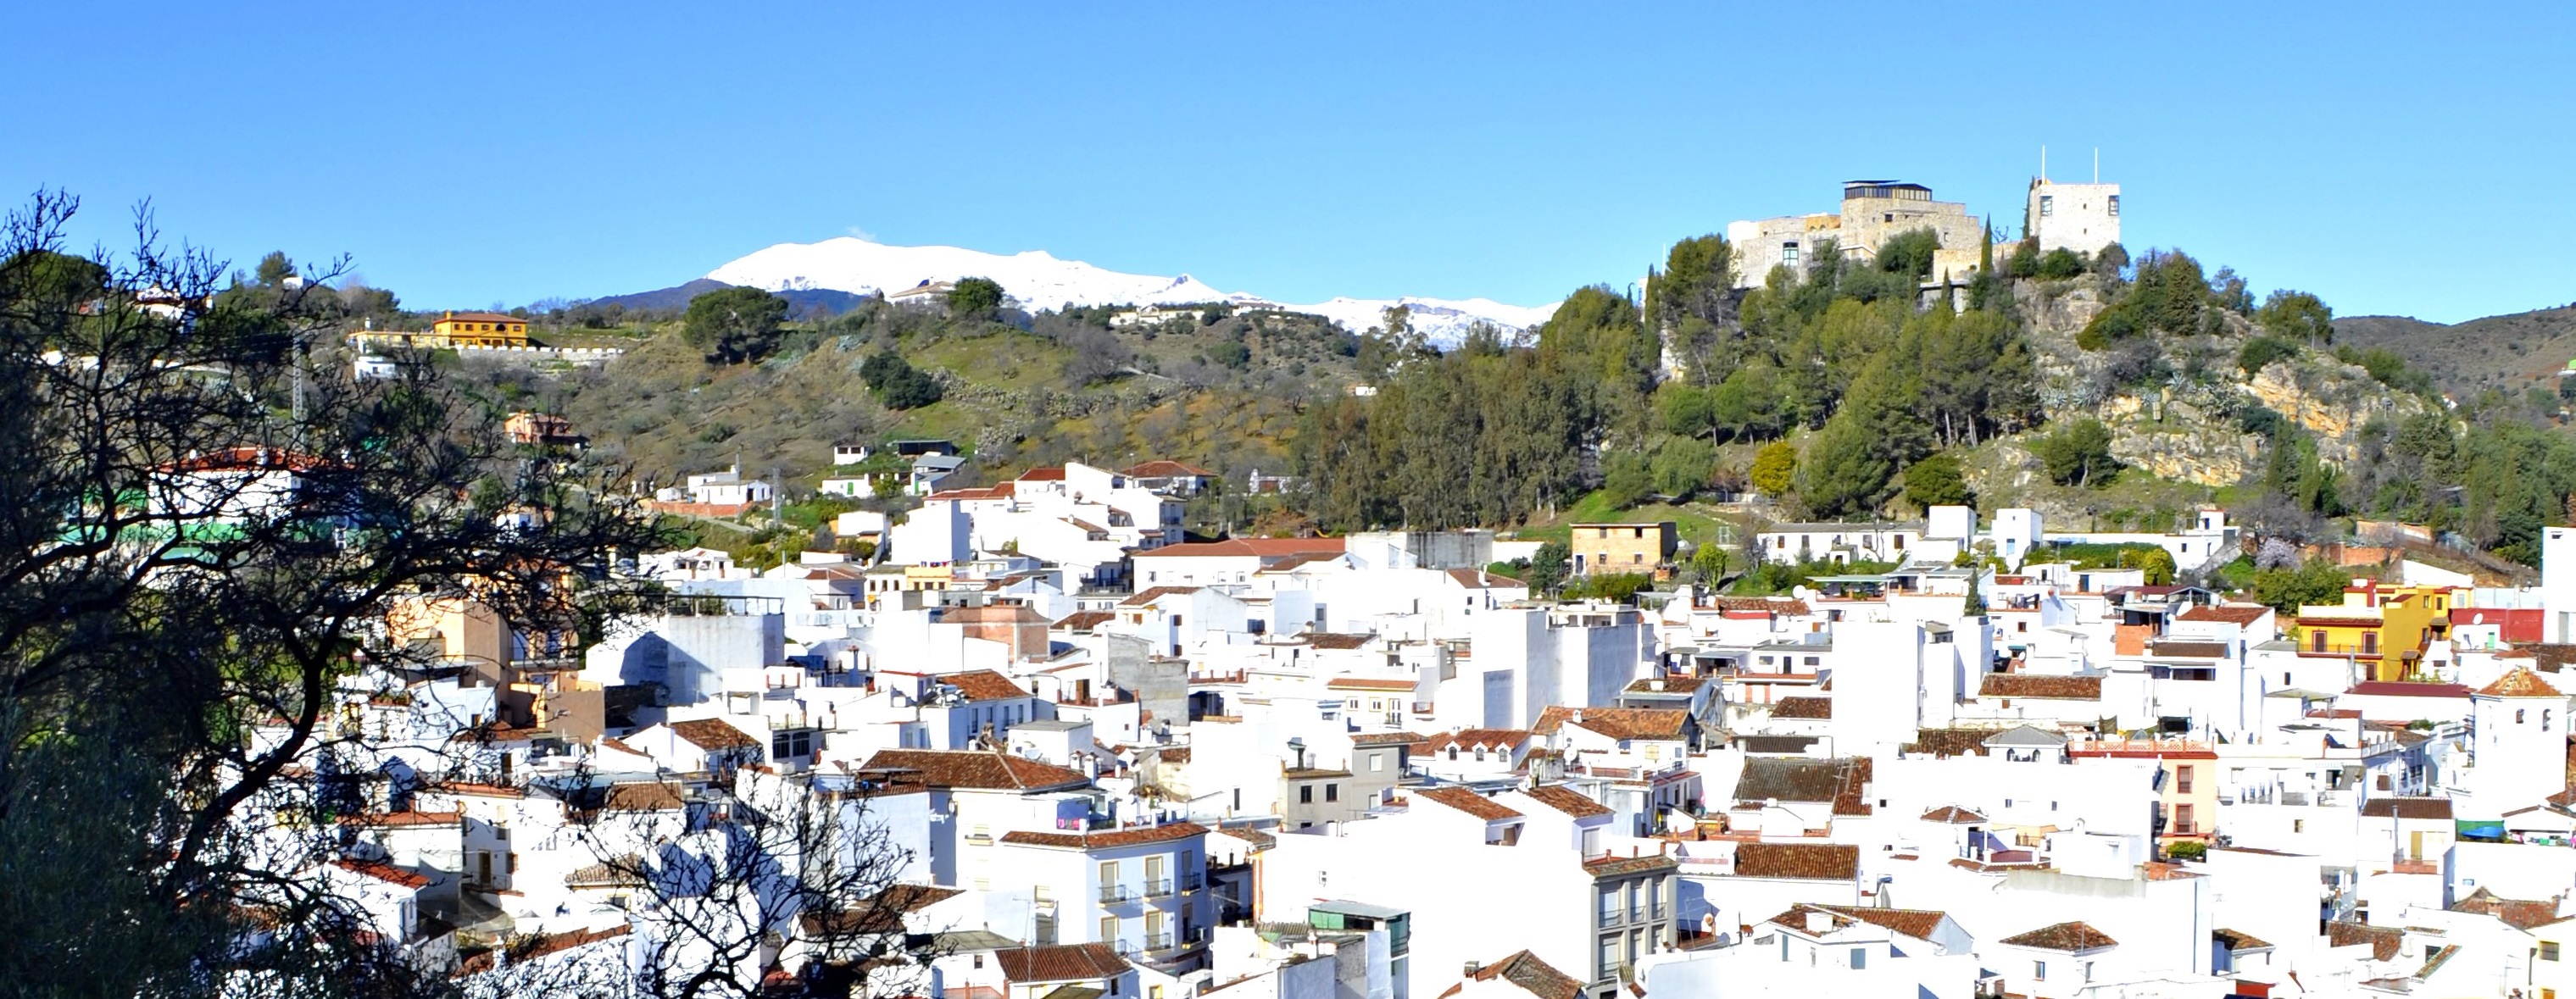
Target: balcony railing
x=1158 y=887
x=1191 y=882
x=1158 y=941
x=1114 y=894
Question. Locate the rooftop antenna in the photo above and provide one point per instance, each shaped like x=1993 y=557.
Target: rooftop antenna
x=2097 y=164
x=2043 y=164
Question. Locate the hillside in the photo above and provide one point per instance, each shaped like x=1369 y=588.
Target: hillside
x=2507 y=352
x=1218 y=393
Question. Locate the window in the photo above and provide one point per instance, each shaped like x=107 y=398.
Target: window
x=788 y=744
x=2369 y=643
x=2088 y=971
x=1606 y=963
x=1789 y=254
x=1108 y=929
x=2182 y=780
x=2115 y=206
x=2182 y=819
x=1306 y=794
x=1860 y=959
x=1332 y=792
x=2517 y=716
x=1377 y=762
x=2039 y=971
x=2047 y=206
x=2548 y=950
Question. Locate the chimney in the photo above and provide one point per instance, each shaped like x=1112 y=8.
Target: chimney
x=1819 y=922
x=1473 y=967
x=1578 y=716
x=1656 y=685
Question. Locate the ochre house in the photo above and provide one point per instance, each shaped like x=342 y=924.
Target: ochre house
x=481 y=329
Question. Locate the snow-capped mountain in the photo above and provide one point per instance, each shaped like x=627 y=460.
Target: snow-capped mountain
x=1040 y=281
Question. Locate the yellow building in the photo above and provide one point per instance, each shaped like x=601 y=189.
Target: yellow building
x=2553 y=968
x=2380 y=625
x=1602 y=549
x=481 y=329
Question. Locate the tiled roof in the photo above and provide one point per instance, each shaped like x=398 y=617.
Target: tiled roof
x=1368 y=683
x=1051 y=474
x=2189 y=650
x=2519 y=682
x=2238 y=939
x=1259 y=840
x=542 y=945
x=1952 y=814
x=2408 y=808
x=1479 y=579
x=1467 y=801
x=2240 y=614
x=1803 y=707
x=1917 y=923
x=1102 y=840
x=2063 y=688
x=1385 y=739
x=1814 y=861
x=1849 y=798
x=1067 y=963
x=1676 y=685
x=1164 y=469
x=1330 y=640
x=2518 y=913
x=1531 y=975
x=977 y=770
x=1606 y=867
x=1617 y=723
x=382 y=871
x=1471 y=739
x=713 y=735
x=1794 y=608
x=1790 y=779
x=1567 y=800
x=1950 y=741
x=1084 y=620
x=1149 y=596
x=2383 y=940
x=983 y=685
x=644 y=797
x=2072 y=937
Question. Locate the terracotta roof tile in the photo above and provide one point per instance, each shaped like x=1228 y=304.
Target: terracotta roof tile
x=2519 y=682
x=713 y=734
x=1608 y=867
x=2062 y=688
x=1675 y=685
x=1144 y=597
x=1067 y=963
x=382 y=871
x=1942 y=742
x=1467 y=801
x=1920 y=924
x=2189 y=650
x=1803 y=707
x=1567 y=800
x=1814 y=861
x=1793 y=608
x=1370 y=683
x=2239 y=614
x=1616 y=723
x=1330 y=640
x=2520 y=914
x=402 y=820
x=2074 y=937
x=1472 y=739
x=1263 y=547
x=1952 y=814
x=983 y=685
x=2408 y=808
x=1103 y=840
x=1531 y=975
x=1479 y=579
x=1385 y=739
x=2237 y=939
x=1165 y=469
x=2383 y=940
x=977 y=770
x=641 y=797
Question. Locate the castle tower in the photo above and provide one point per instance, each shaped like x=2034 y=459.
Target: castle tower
x=2521 y=752
x=2080 y=217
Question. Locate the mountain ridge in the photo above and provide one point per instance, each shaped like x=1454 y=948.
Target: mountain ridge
x=1041 y=280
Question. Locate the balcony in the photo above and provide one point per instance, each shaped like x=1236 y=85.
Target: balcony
x=1158 y=941
x=1115 y=895
x=1191 y=883
x=1158 y=887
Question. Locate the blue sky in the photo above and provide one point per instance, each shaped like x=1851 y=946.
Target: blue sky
x=2393 y=158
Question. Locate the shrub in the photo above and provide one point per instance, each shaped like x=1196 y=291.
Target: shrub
x=1775 y=468
x=2060 y=264
x=2078 y=454
x=2187 y=850
x=2260 y=352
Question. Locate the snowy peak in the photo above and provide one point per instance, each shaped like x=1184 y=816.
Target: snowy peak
x=1038 y=280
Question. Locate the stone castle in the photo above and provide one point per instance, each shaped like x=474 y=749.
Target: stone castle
x=2080 y=217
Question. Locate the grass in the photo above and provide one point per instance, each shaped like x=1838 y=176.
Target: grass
x=1697 y=525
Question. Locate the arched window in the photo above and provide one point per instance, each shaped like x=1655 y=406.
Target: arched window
x=2517 y=716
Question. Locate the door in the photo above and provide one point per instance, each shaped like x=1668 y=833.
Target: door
x=483 y=868
x=2415 y=845
x=1154 y=883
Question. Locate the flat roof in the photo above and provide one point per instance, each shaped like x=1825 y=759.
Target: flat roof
x=1347 y=907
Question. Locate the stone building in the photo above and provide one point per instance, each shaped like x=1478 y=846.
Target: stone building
x=1873 y=211
x=1609 y=548
x=2080 y=217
